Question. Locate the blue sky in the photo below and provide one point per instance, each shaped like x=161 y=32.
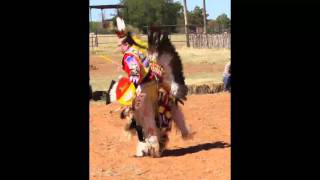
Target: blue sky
x=213 y=7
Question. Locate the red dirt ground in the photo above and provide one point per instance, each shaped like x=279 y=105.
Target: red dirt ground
x=106 y=68
x=206 y=156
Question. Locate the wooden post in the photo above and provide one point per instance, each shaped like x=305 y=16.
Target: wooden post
x=205 y=23
x=96 y=39
x=90 y=25
x=91 y=40
x=102 y=18
x=186 y=22
x=90 y=19
x=204 y=18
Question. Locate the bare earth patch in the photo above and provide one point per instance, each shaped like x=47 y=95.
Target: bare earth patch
x=206 y=156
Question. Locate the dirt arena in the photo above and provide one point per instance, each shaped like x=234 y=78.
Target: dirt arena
x=206 y=156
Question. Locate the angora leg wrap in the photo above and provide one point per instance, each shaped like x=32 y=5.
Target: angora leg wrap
x=179 y=120
x=153 y=146
x=142 y=149
x=144 y=114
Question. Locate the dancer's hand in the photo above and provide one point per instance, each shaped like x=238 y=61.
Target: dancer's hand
x=138 y=90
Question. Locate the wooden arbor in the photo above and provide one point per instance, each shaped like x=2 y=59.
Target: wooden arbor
x=102 y=7
x=104 y=21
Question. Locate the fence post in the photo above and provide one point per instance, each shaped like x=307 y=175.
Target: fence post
x=91 y=40
x=186 y=21
x=96 y=40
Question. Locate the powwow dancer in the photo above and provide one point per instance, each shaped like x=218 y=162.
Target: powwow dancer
x=154 y=103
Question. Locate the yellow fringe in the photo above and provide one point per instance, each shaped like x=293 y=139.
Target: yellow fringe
x=140 y=41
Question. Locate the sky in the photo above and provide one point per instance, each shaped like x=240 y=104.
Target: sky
x=213 y=7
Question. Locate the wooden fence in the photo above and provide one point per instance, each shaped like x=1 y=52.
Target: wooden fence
x=197 y=40
x=210 y=40
x=93 y=40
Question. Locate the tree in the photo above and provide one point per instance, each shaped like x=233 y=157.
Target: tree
x=195 y=17
x=142 y=13
x=212 y=24
x=96 y=27
x=223 y=21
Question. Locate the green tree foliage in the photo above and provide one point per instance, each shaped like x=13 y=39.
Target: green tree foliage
x=96 y=27
x=195 y=17
x=211 y=26
x=142 y=13
x=223 y=21
x=221 y=24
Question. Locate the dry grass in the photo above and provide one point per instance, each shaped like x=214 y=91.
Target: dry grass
x=188 y=55
x=203 y=78
x=204 y=56
x=216 y=58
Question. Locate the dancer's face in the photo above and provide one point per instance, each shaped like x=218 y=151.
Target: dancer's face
x=123 y=47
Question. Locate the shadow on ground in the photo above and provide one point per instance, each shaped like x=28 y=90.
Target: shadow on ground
x=194 y=149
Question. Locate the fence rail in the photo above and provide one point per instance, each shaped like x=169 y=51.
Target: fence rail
x=93 y=40
x=197 y=40
x=210 y=40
